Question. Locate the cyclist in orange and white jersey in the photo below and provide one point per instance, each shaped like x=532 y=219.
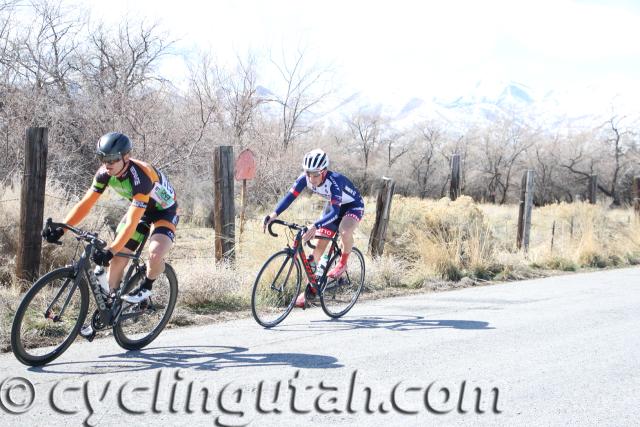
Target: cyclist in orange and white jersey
x=153 y=201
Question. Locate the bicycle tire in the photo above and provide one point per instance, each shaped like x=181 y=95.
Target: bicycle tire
x=265 y=299
x=25 y=343
x=134 y=317
x=338 y=296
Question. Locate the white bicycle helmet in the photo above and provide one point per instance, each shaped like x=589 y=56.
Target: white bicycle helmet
x=315 y=160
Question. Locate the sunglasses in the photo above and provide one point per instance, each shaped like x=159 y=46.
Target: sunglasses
x=109 y=160
x=313 y=174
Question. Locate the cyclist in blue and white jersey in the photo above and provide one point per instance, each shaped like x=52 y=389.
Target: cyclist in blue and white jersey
x=342 y=213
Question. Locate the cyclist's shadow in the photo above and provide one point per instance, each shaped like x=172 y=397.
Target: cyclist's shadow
x=204 y=358
x=390 y=322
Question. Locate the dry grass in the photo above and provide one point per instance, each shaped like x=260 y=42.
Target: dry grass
x=431 y=245
x=9 y=300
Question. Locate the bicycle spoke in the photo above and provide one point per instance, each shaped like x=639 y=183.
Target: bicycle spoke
x=340 y=294
x=139 y=324
x=48 y=318
x=55 y=299
x=69 y=295
x=136 y=322
x=272 y=298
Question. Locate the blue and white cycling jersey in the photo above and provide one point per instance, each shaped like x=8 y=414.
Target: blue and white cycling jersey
x=337 y=189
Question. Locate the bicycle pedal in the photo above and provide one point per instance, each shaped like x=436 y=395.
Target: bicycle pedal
x=309 y=303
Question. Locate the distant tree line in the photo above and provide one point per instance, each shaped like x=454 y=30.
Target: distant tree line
x=82 y=78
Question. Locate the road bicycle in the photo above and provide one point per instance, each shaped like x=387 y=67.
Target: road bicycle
x=53 y=310
x=280 y=278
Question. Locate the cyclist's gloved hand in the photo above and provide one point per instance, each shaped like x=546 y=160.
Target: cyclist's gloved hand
x=267 y=220
x=309 y=234
x=52 y=235
x=102 y=256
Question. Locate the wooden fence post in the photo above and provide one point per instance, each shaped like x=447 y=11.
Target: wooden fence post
x=454 y=189
x=224 y=204
x=383 y=207
x=32 y=203
x=523 y=193
x=525 y=209
x=243 y=204
x=593 y=188
x=636 y=195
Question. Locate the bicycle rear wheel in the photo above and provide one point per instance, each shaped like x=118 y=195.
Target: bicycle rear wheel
x=141 y=323
x=337 y=296
x=276 y=288
x=41 y=330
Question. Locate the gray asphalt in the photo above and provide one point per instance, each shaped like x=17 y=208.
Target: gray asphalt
x=555 y=351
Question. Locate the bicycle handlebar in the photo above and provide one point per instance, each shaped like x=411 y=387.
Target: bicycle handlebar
x=291 y=225
x=286 y=224
x=81 y=234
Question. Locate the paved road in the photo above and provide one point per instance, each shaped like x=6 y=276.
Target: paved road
x=556 y=351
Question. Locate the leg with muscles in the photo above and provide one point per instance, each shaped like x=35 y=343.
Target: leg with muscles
x=328 y=230
x=118 y=263
x=321 y=245
x=159 y=246
x=116 y=269
x=347 y=227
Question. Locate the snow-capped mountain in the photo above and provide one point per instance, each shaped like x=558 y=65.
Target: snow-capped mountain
x=485 y=103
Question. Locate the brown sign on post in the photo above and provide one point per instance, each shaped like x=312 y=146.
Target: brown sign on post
x=245 y=165
x=245 y=169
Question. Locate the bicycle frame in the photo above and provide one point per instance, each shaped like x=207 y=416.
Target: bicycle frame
x=274 y=296
x=298 y=250
x=108 y=316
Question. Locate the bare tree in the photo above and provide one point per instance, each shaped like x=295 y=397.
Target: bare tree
x=45 y=54
x=7 y=55
x=304 y=89
x=123 y=62
x=391 y=139
x=545 y=169
x=585 y=163
x=365 y=128
x=615 y=143
x=239 y=98
x=203 y=107
x=428 y=143
x=501 y=149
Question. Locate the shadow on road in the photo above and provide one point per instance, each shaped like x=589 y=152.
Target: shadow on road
x=205 y=358
x=390 y=322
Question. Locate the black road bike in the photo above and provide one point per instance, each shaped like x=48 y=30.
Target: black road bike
x=280 y=278
x=53 y=310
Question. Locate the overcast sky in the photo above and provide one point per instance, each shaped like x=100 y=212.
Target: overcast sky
x=398 y=49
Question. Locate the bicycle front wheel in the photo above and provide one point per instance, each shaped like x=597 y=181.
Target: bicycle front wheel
x=49 y=317
x=276 y=288
x=337 y=296
x=140 y=324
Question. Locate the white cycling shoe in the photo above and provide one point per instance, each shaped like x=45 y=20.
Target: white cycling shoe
x=137 y=296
